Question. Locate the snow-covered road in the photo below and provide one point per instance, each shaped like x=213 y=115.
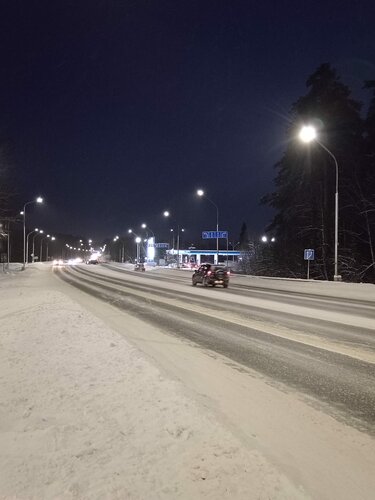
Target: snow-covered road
x=98 y=403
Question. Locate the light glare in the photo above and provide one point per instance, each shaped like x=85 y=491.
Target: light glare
x=307 y=133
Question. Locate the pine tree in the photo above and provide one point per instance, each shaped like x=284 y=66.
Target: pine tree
x=366 y=190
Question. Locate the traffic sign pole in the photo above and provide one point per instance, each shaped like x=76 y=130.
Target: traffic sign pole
x=309 y=254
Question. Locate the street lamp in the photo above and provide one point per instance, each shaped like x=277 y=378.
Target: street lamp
x=138 y=241
x=308 y=134
x=52 y=239
x=167 y=214
x=39 y=231
x=41 y=247
x=150 y=247
x=37 y=200
x=117 y=238
x=145 y=226
x=201 y=193
x=27 y=243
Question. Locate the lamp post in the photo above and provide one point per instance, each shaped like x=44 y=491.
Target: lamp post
x=27 y=243
x=167 y=214
x=309 y=134
x=201 y=193
x=138 y=241
x=150 y=246
x=52 y=239
x=117 y=238
x=233 y=245
x=37 y=200
x=40 y=231
x=41 y=247
x=147 y=228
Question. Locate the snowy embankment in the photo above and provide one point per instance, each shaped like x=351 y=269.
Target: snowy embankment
x=84 y=414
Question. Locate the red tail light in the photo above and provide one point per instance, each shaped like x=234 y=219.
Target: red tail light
x=208 y=273
x=228 y=272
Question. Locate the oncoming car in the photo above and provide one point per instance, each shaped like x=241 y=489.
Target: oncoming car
x=58 y=262
x=211 y=274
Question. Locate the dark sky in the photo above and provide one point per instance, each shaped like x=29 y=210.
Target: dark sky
x=118 y=110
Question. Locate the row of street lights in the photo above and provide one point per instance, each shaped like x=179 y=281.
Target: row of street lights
x=47 y=237
x=307 y=134
x=37 y=232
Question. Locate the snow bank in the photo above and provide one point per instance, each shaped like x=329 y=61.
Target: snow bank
x=84 y=415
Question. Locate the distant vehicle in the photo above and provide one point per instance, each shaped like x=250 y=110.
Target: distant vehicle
x=59 y=262
x=211 y=274
x=94 y=258
x=139 y=267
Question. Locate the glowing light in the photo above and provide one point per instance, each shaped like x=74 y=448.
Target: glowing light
x=200 y=192
x=307 y=133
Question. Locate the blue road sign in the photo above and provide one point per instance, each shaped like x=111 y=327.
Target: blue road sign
x=161 y=245
x=309 y=254
x=206 y=235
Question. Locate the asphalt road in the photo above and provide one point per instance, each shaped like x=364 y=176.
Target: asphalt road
x=320 y=345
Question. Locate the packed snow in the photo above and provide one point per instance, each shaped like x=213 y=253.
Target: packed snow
x=98 y=404
x=84 y=414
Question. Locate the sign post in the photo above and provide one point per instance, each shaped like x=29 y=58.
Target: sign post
x=309 y=254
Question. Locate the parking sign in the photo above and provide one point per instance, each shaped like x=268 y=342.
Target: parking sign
x=309 y=254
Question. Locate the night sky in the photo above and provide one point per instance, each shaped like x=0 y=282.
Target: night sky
x=117 y=110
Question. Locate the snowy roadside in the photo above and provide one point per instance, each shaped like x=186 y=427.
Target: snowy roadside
x=84 y=414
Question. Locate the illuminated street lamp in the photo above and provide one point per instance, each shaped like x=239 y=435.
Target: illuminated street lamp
x=117 y=238
x=27 y=243
x=167 y=214
x=37 y=200
x=39 y=231
x=308 y=134
x=138 y=241
x=52 y=239
x=41 y=247
x=145 y=226
x=201 y=193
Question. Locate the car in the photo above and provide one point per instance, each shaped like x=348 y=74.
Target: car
x=58 y=262
x=211 y=274
x=139 y=267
